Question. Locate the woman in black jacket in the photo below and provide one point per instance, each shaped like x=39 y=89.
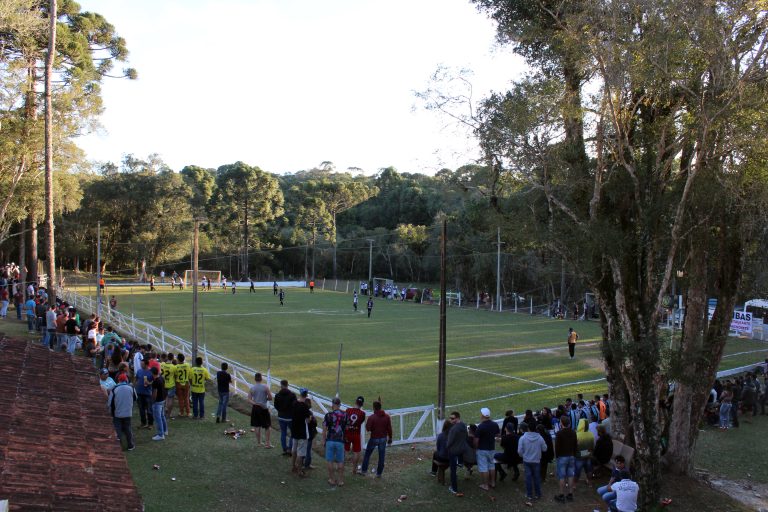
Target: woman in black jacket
x=547 y=456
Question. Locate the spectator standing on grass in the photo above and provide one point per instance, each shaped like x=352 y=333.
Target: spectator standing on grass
x=352 y=440
x=158 y=405
x=181 y=376
x=456 y=446
x=197 y=377
x=379 y=425
x=299 y=431
x=530 y=447
x=49 y=339
x=334 y=426
x=18 y=302
x=284 y=400
x=29 y=310
x=223 y=380
x=725 y=407
x=566 y=445
x=487 y=431
x=311 y=434
x=735 y=402
x=258 y=396
x=72 y=330
x=168 y=369
x=143 y=385
x=549 y=455
x=573 y=336
x=120 y=405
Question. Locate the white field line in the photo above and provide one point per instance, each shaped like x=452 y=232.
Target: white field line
x=515 y=352
x=256 y=313
x=497 y=374
x=742 y=353
x=508 y=395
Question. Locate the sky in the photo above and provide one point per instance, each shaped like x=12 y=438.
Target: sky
x=288 y=84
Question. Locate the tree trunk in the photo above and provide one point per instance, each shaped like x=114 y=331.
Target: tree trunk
x=23 y=254
x=244 y=254
x=32 y=248
x=49 y=226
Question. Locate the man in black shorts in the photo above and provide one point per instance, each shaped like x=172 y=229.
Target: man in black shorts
x=258 y=396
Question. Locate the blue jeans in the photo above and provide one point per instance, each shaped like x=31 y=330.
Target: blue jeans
x=308 y=455
x=145 y=409
x=725 y=414
x=72 y=343
x=4 y=310
x=123 y=426
x=532 y=479
x=607 y=497
x=31 y=322
x=158 y=412
x=18 y=311
x=221 y=410
x=381 y=444
x=198 y=405
x=285 y=440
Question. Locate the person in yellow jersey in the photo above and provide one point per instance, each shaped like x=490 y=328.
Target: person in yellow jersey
x=181 y=375
x=197 y=378
x=168 y=369
x=572 y=337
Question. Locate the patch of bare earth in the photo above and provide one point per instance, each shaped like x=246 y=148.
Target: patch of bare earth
x=752 y=494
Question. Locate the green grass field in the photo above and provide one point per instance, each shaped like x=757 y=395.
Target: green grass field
x=497 y=360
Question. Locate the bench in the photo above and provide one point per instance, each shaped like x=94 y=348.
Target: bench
x=626 y=451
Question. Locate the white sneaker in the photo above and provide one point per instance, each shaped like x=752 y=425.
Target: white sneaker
x=158 y=438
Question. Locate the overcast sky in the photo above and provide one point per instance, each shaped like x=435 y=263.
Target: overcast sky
x=288 y=84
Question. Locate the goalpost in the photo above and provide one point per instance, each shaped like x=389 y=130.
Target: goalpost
x=213 y=275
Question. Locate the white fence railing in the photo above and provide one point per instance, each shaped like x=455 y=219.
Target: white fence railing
x=409 y=425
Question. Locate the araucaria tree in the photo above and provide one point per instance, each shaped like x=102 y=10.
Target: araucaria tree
x=640 y=136
x=247 y=199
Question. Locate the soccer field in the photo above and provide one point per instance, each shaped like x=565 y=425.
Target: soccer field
x=499 y=360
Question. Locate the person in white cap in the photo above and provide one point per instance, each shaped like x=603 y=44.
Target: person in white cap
x=487 y=431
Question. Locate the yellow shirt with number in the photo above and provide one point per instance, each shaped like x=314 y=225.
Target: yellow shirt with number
x=169 y=374
x=182 y=373
x=197 y=379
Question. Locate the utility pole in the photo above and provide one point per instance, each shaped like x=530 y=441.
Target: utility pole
x=195 y=250
x=441 y=373
x=98 y=269
x=498 y=267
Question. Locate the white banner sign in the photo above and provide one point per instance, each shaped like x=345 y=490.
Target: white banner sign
x=742 y=322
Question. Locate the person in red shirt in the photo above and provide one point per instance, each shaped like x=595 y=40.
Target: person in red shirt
x=379 y=425
x=355 y=420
